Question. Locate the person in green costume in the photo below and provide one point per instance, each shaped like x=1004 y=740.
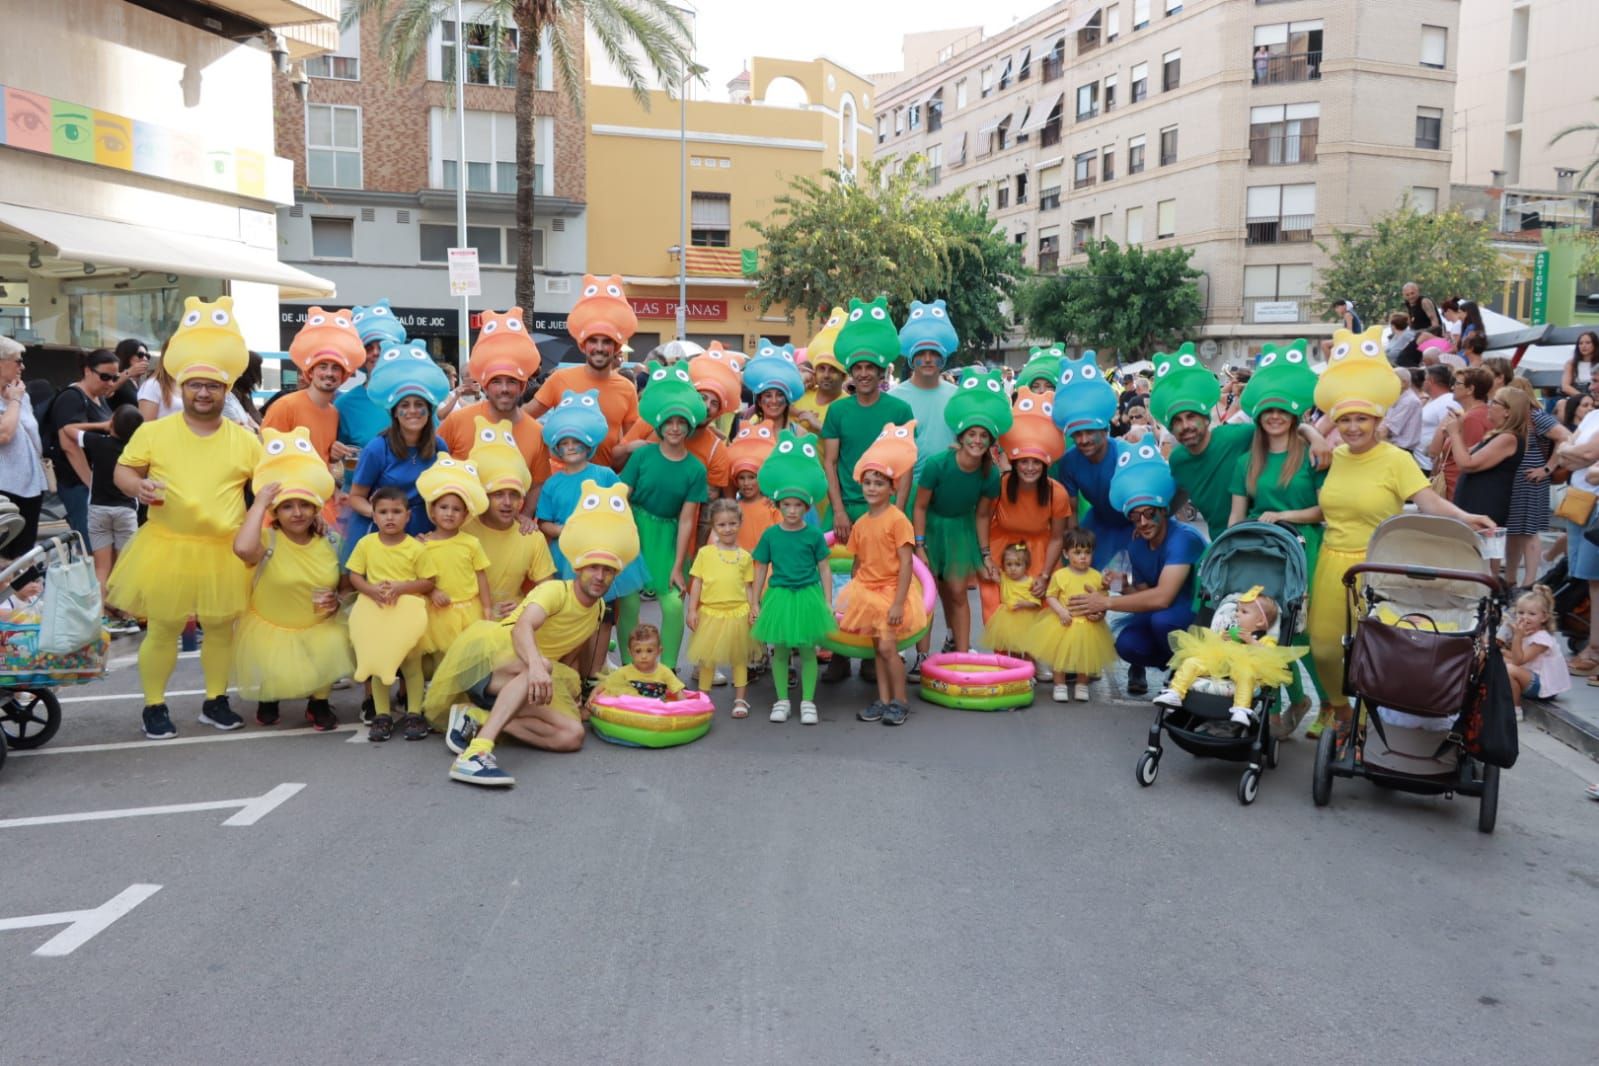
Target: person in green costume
x=666 y=483
x=1275 y=480
x=1042 y=370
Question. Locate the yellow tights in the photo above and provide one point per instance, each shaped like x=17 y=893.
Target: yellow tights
x=411 y=671
x=159 y=654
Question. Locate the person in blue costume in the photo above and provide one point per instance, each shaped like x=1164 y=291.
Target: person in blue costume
x=927 y=340
x=773 y=368
x=573 y=429
x=1162 y=558
x=408 y=385
x=360 y=419
x=1083 y=407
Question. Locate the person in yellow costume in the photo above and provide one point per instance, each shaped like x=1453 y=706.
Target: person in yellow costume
x=455 y=559
x=190 y=469
x=390 y=571
x=1368 y=482
x=519 y=556
x=519 y=669
x=291 y=641
x=1239 y=646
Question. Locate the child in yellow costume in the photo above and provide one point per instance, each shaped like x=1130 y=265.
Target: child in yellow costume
x=190 y=469
x=721 y=604
x=517 y=560
x=290 y=642
x=1070 y=645
x=1009 y=629
x=390 y=571
x=1239 y=647
x=454 y=559
x=643 y=675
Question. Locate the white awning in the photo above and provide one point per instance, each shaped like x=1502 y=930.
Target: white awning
x=956 y=149
x=989 y=127
x=1018 y=120
x=1041 y=113
x=106 y=243
x=1081 y=19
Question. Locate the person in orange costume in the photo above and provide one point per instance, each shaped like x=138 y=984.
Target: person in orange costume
x=601 y=322
x=327 y=350
x=745 y=456
x=503 y=359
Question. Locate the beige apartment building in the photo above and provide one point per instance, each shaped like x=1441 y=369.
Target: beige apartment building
x=1244 y=130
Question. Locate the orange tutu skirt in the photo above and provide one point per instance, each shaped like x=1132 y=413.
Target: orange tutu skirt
x=863 y=608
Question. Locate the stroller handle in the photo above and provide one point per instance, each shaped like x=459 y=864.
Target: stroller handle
x=1421 y=573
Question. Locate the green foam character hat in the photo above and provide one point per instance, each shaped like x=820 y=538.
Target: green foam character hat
x=793 y=470
x=1182 y=383
x=868 y=335
x=979 y=400
x=1043 y=364
x=1282 y=381
x=670 y=394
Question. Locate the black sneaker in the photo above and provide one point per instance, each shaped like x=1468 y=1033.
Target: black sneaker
x=381 y=729
x=895 y=713
x=266 y=713
x=415 y=727
x=872 y=712
x=319 y=714
x=157 y=723
x=216 y=712
x=369 y=711
x=1136 y=684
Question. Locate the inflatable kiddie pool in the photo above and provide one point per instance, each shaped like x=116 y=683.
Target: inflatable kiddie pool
x=971 y=681
x=858 y=645
x=638 y=722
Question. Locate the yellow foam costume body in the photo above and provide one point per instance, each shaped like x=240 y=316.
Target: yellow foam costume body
x=1199 y=652
x=453 y=562
x=516 y=559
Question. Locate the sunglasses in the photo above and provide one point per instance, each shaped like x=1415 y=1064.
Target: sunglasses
x=105 y=377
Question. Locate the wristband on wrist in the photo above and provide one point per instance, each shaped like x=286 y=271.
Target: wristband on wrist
x=921 y=540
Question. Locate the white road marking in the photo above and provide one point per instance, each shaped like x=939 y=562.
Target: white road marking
x=152 y=745
x=102 y=697
x=81 y=926
x=250 y=810
x=131 y=660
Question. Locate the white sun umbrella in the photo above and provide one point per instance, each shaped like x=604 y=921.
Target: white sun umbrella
x=672 y=351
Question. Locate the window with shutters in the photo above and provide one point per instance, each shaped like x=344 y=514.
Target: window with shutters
x=332 y=238
x=1168 y=146
x=1110 y=93
x=710 y=220
x=1135 y=155
x=1107 y=163
x=1287 y=51
x=1283 y=134
x=1429 y=127
x=1435 y=47
x=1171 y=70
x=1140 y=14
x=1140 y=80
x=342 y=65
x=1083 y=168
x=1135 y=225
x=1278 y=293
x=1087 y=101
x=1279 y=214
x=1166 y=219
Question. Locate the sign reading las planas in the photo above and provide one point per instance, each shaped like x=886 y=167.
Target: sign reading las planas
x=702 y=310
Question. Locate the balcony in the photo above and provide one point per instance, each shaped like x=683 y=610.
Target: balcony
x=1088 y=39
x=1280 y=150
x=1050 y=135
x=1289 y=229
x=1283 y=310
x=1084 y=181
x=1049 y=199
x=1287 y=67
x=1054 y=68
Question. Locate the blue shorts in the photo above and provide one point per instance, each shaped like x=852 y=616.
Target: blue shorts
x=1582 y=558
x=1531 y=691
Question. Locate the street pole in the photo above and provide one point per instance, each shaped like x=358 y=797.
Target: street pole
x=682 y=203
x=463 y=326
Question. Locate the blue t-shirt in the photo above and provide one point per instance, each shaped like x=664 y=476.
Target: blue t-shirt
x=559 y=498
x=933 y=434
x=360 y=420
x=377 y=468
x=1183 y=546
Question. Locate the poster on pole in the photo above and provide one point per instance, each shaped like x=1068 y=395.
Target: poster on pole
x=464 y=277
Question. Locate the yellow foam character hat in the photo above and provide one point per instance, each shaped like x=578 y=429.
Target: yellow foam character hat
x=447 y=477
x=1358 y=380
x=498 y=460
x=207 y=345
x=822 y=349
x=290 y=460
x=600 y=531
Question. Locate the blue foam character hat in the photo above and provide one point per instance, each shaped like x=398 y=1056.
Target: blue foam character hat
x=576 y=417
x=773 y=367
x=377 y=323
x=1083 y=398
x=928 y=328
x=406 y=369
x=1142 y=479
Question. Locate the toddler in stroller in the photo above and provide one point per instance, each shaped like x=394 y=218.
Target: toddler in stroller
x=1240 y=648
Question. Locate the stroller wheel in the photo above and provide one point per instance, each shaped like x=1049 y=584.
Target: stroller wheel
x=1271 y=752
x=1148 y=767
x=1488 y=808
x=30 y=717
x=1321 y=775
x=1249 y=786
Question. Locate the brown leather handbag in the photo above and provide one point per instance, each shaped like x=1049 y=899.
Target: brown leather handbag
x=1410 y=668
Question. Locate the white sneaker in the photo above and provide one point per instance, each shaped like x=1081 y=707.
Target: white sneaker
x=1169 y=697
x=808 y=713
x=719 y=679
x=1042 y=672
x=1062 y=694
x=1241 y=716
x=1080 y=692
x=780 y=711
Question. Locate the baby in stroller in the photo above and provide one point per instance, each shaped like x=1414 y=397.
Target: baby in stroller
x=1239 y=652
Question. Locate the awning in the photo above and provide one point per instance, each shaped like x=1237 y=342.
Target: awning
x=989 y=127
x=106 y=243
x=1018 y=120
x=956 y=150
x=1040 y=116
x=1081 y=19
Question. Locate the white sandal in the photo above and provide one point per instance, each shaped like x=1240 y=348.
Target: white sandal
x=741 y=709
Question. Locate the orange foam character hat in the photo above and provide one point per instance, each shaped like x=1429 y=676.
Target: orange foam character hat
x=751 y=447
x=328 y=337
x=602 y=311
x=1034 y=434
x=736 y=360
x=893 y=453
x=504 y=348
x=713 y=372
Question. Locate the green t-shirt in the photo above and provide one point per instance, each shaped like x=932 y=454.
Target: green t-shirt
x=662 y=486
x=855 y=428
x=793 y=555
x=1300 y=493
x=956 y=492
x=1208 y=476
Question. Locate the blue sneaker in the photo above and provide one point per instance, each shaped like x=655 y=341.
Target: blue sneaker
x=872 y=712
x=480 y=769
x=157 y=723
x=462 y=728
x=895 y=713
x=216 y=712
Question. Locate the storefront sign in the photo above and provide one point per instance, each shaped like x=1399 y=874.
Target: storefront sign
x=430 y=322
x=1540 y=288
x=698 y=310
x=1277 y=311
x=464 y=277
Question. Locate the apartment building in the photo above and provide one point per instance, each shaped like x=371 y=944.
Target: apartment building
x=1245 y=130
x=375 y=173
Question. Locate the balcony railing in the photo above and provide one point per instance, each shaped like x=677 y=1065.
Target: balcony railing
x=1050 y=135
x=1277 y=309
x=1048 y=262
x=1092 y=112
x=1083 y=181
x=1289 y=229
x=1054 y=67
x=1279 y=150
x=1049 y=199
x=1087 y=40
x=1287 y=67
x=1021 y=197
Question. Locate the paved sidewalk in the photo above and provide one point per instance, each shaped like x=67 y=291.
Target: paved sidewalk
x=1573 y=717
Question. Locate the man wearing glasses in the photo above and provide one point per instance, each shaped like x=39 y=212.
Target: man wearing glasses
x=82 y=404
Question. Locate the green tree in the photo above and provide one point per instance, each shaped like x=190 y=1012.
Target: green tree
x=1127 y=300
x=833 y=237
x=626 y=30
x=1446 y=254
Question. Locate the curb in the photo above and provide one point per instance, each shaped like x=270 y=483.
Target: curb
x=1565 y=726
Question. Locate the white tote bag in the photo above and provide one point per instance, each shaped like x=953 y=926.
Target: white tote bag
x=70 y=608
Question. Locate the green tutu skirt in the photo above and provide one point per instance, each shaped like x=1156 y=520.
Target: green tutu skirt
x=657 y=538
x=798 y=618
x=953 y=553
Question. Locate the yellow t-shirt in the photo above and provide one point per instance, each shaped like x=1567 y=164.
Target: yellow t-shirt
x=724 y=575
x=629 y=680
x=204 y=476
x=290 y=577
x=1065 y=584
x=1363 y=491
x=515 y=559
x=1013 y=593
x=567 y=623
x=378 y=562
x=454 y=564
x=812 y=403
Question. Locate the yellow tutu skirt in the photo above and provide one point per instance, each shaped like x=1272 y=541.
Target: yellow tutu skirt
x=863 y=608
x=1010 y=628
x=1083 y=647
x=384 y=636
x=1268 y=665
x=271 y=662
x=169 y=577
x=481 y=649
x=447 y=623
x=723 y=636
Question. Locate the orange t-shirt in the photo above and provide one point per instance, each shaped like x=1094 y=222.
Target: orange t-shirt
x=298 y=409
x=618 y=399
x=1026 y=520
x=760 y=514
x=705 y=444
x=459 y=432
x=876 y=540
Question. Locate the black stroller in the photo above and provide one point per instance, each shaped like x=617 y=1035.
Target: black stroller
x=1243 y=556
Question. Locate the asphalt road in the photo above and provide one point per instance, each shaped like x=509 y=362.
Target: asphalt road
x=991 y=888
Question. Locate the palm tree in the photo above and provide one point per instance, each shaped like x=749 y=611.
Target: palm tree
x=1581 y=127
x=625 y=29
